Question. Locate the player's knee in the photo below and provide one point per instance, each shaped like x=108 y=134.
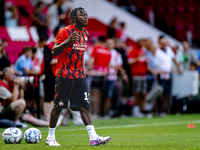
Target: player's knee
x=84 y=109
x=56 y=110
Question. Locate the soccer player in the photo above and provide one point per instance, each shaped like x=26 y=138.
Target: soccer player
x=71 y=82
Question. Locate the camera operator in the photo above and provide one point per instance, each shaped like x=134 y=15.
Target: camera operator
x=12 y=100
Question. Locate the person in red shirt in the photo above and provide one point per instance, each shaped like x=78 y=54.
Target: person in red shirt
x=138 y=61
x=71 y=82
x=100 y=59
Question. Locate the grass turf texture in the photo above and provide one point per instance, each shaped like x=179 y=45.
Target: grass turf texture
x=165 y=133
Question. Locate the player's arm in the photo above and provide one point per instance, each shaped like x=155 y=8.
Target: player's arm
x=58 y=48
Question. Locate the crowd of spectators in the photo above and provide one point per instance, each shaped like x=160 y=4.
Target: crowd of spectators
x=123 y=78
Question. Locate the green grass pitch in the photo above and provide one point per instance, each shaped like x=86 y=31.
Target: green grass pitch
x=159 y=133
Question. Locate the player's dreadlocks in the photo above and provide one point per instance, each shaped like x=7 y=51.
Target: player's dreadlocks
x=73 y=13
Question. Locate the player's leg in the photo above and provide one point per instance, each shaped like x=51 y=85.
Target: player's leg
x=62 y=93
x=55 y=113
x=95 y=139
x=80 y=100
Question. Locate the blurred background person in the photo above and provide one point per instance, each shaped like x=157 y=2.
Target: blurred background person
x=115 y=64
x=179 y=57
x=40 y=55
x=53 y=13
x=112 y=28
x=123 y=36
x=125 y=78
x=153 y=72
x=4 y=61
x=189 y=55
x=138 y=62
x=165 y=55
x=24 y=63
x=41 y=20
x=11 y=96
x=99 y=62
x=13 y=100
x=11 y=16
x=48 y=80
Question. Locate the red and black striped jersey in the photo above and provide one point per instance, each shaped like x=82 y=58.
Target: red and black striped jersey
x=70 y=61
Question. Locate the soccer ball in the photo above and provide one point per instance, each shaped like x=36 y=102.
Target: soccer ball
x=12 y=136
x=32 y=135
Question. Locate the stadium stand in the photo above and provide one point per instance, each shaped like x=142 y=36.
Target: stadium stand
x=184 y=14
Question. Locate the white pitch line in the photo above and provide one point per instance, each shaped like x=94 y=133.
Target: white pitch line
x=136 y=125
x=136 y=134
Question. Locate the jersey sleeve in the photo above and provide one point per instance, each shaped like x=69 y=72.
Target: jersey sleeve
x=62 y=35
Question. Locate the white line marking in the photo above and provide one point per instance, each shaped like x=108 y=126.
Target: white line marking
x=133 y=126
x=136 y=125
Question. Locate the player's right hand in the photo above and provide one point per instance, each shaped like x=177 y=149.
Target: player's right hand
x=74 y=36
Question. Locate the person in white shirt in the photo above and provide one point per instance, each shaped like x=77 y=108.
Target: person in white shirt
x=115 y=65
x=40 y=55
x=165 y=56
x=54 y=18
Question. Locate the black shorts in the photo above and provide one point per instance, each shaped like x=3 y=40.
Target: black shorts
x=75 y=90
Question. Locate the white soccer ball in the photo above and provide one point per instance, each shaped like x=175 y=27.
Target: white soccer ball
x=12 y=136
x=32 y=135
